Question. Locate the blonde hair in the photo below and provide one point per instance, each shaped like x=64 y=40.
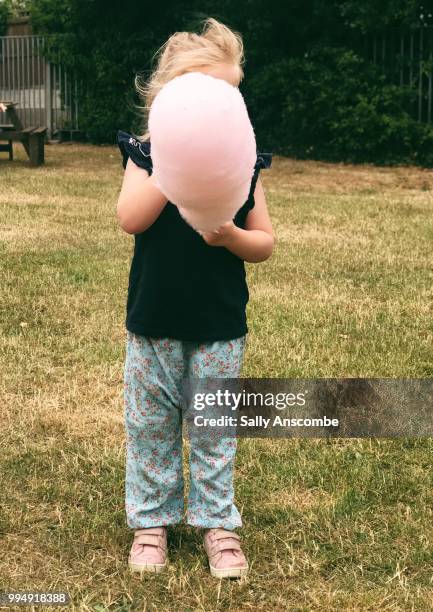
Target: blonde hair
x=186 y=51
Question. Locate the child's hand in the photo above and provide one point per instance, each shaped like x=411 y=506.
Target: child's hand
x=223 y=236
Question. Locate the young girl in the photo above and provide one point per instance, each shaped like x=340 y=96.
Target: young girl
x=185 y=318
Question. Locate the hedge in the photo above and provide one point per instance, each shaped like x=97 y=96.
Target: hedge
x=309 y=90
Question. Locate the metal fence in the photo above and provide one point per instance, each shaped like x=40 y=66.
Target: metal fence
x=406 y=58
x=46 y=95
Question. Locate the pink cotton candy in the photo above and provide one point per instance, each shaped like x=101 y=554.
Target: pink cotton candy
x=203 y=148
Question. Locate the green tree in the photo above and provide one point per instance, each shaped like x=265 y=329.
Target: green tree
x=308 y=88
x=4 y=16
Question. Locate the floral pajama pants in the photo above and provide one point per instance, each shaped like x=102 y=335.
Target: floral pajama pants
x=154 y=487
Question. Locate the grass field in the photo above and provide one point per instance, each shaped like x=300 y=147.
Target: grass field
x=345 y=525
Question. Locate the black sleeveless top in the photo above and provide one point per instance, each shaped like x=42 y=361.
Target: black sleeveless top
x=180 y=287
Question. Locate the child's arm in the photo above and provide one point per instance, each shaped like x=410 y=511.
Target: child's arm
x=140 y=202
x=253 y=244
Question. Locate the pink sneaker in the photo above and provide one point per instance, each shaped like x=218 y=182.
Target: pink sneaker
x=148 y=550
x=226 y=559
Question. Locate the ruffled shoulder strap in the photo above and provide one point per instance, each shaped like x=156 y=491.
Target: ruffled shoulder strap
x=264 y=160
x=138 y=151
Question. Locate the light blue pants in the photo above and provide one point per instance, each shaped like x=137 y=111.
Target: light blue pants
x=154 y=487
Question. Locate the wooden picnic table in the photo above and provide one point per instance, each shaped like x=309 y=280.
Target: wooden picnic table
x=32 y=138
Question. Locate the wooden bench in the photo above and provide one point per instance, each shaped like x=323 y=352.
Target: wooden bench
x=32 y=138
x=7 y=148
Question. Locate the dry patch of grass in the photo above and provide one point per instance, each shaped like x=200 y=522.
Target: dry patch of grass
x=345 y=525
x=298 y=499
x=321 y=177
